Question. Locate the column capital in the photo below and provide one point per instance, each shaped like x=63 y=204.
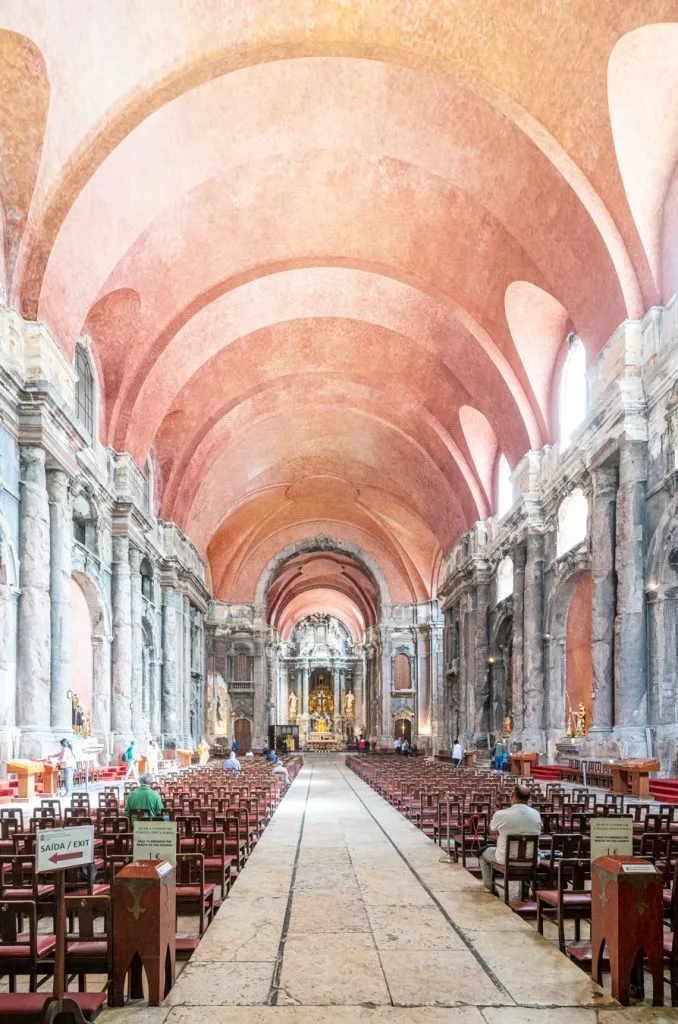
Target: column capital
x=58 y=486
x=135 y=559
x=605 y=481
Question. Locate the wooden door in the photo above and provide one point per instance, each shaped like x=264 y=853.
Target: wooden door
x=243 y=734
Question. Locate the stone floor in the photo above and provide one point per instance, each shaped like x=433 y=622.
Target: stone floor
x=345 y=912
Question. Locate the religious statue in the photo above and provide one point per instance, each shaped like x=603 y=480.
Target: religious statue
x=77 y=714
x=292 y=706
x=580 y=720
x=349 y=705
x=508 y=725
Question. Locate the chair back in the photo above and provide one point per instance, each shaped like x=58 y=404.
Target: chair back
x=573 y=873
x=79 y=800
x=15 y=915
x=521 y=856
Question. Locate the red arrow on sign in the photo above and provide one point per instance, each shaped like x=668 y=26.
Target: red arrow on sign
x=57 y=857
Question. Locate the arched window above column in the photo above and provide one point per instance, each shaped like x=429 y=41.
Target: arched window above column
x=401 y=673
x=504 y=579
x=242 y=667
x=504 y=486
x=84 y=390
x=573 y=397
x=573 y=516
x=146 y=571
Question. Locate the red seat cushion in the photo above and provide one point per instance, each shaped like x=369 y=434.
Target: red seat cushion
x=30 y=1004
x=45 y=945
x=570 y=899
x=668 y=942
x=44 y=892
x=87 y=950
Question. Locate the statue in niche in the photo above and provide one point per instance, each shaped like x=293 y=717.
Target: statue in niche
x=292 y=706
x=349 y=705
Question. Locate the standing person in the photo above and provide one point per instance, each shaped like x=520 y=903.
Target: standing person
x=457 y=753
x=129 y=759
x=517 y=820
x=235 y=747
x=152 y=757
x=67 y=764
x=499 y=754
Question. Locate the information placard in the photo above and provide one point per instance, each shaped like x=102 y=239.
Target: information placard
x=60 y=848
x=611 y=837
x=155 y=840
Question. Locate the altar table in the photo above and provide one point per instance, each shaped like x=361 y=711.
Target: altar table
x=632 y=776
x=521 y=762
x=26 y=772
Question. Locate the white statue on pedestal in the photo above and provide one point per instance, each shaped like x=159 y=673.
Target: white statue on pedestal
x=292 y=707
x=349 y=705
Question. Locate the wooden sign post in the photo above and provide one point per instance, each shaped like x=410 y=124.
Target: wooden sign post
x=56 y=850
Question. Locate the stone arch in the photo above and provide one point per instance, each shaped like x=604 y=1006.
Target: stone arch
x=322 y=543
x=101 y=654
x=570 y=573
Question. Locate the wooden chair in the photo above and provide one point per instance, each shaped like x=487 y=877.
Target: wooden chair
x=520 y=865
x=470 y=840
x=19 y=881
x=22 y=950
x=194 y=895
x=89 y=949
x=570 y=900
x=217 y=863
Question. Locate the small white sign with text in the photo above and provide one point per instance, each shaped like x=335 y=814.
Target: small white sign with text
x=611 y=837
x=155 y=840
x=59 y=848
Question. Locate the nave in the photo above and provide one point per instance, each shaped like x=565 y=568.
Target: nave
x=345 y=911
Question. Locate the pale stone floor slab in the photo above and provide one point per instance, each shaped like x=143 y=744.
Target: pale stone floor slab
x=346 y=913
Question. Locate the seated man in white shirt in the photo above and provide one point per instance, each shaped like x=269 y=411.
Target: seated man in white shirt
x=517 y=820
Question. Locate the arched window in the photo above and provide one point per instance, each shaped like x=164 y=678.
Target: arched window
x=504 y=579
x=573 y=515
x=84 y=390
x=146 y=579
x=401 y=673
x=242 y=668
x=573 y=400
x=85 y=523
x=504 y=487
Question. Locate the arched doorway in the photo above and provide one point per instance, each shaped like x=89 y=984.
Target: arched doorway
x=403 y=729
x=242 y=732
x=502 y=676
x=82 y=661
x=578 y=660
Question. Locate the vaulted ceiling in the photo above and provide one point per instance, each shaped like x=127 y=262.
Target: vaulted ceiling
x=328 y=253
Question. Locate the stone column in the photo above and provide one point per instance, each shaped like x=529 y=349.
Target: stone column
x=137 y=664
x=283 y=711
x=304 y=690
x=423 y=683
x=121 y=714
x=61 y=549
x=34 y=647
x=156 y=698
x=336 y=680
x=171 y=614
x=101 y=689
x=482 y=674
x=631 y=695
x=533 y=642
x=359 y=693
x=8 y=648
x=603 y=509
x=517 y=710
x=187 y=698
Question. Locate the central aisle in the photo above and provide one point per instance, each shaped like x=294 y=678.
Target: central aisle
x=344 y=904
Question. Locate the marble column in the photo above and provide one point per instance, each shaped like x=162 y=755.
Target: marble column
x=101 y=688
x=171 y=616
x=517 y=710
x=423 y=682
x=533 y=641
x=304 y=690
x=631 y=690
x=359 y=692
x=187 y=702
x=139 y=723
x=603 y=510
x=121 y=711
x=482 y=672
x=34 y=627
x=8 y=648
x=336 y=679
x=61 y=549
x=283 y=712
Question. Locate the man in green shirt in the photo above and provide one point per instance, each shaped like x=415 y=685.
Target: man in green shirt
x=143 y=798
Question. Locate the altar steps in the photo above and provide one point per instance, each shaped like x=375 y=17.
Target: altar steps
x=664 y=791
x=546 y=772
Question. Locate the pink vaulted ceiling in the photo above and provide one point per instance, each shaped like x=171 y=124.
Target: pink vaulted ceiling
x=328 y=254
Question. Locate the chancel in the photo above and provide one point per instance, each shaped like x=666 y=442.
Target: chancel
x=339 y=433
